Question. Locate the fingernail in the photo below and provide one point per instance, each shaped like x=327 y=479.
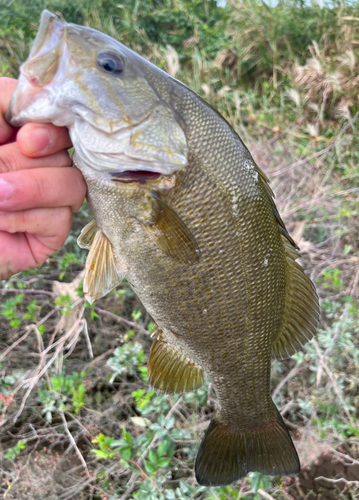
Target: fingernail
x=37 y=140
x=6 y=190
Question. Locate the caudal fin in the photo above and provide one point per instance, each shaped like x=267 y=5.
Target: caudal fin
x=226 y=455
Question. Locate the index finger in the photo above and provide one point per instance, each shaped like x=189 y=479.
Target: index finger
x=7 y=87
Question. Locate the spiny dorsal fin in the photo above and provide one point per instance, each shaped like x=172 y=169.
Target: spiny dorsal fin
x=228 y=453
x=172 y=235
x=271 y=196
x=103 y=269
x=87 y=235
x=171 y=371
x=301 y=309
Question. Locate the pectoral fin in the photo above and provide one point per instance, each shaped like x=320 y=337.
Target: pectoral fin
x=87 y=235
x=171 y=371
x=172 y=235
x=103 y=270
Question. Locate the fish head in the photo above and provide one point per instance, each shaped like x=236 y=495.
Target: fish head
x=102 y=91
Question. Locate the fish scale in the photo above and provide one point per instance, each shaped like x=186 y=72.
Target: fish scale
x=199 y=240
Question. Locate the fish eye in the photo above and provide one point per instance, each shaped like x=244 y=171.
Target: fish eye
x=110 y=63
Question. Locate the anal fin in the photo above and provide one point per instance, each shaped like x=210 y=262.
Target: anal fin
x=103 y=270
x=171 y=371
x=301 y=309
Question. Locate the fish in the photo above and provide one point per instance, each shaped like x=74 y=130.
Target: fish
x=184 y=213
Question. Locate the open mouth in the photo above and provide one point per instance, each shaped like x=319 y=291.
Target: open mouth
x=135 y=176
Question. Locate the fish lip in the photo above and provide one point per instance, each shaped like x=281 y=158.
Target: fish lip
x=136 y=176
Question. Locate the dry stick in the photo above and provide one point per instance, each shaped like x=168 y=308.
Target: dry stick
x=264 y=494
x=33 y=380
x=342 y=479
x=343 y=316
x=144 y=473
x=341 y=455
x=273 y=140
x=332 y=379
x=41 y=349
x=87 y=337
x=73 y=442
x=30 y=290
x=122 y=320
x=132 y=479
x=286 y=379
x=9 y=349
x=337 y=328
x=319 y=153
x=97 y=309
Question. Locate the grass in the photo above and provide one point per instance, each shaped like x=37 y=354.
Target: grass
x=77 y=417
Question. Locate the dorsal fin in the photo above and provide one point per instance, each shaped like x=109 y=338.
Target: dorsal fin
x=301 y=309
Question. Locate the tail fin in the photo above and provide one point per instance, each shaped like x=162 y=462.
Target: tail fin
x=226 y=455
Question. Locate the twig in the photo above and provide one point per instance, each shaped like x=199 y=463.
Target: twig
x=122 y=320
x=97 y=309
x=30 y=290
x=286 y=379
x=144 y=473
x=264 y=494
x=73 y=442
x=132 y=479
x=87 y=337
x=31 y=382
x=333 y=381
x=9 y=349
x=333 y=481
x=344 y=457
x=273 y=140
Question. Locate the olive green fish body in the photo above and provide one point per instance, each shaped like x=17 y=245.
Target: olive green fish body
x=181 y=210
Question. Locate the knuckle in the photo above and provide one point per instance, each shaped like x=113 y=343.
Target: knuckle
x=62 y=222
x=8 y=161
x=40 y=184
x=80 y=190
x=62 y=159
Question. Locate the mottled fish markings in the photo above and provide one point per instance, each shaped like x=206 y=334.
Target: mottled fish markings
x=182 y=210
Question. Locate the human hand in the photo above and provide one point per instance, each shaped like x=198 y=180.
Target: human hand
x=38 y=190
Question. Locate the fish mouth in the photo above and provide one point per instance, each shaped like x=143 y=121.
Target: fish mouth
x=140 y=176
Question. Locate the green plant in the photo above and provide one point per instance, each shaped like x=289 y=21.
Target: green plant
x=12 y=453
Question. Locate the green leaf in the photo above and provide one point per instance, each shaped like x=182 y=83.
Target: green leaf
x=150 y=467
x=162 y=448
x=126 y=453
x=140 y=421
x=170 y=423
x=256 y=481
x=100 y=454
x=152 y=456
x=163 y=462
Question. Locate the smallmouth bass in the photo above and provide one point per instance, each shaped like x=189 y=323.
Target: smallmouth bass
x=182 y=210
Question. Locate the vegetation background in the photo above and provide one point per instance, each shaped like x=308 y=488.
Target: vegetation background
x=77 y=418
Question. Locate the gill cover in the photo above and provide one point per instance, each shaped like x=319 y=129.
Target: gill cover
x=82 y=79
